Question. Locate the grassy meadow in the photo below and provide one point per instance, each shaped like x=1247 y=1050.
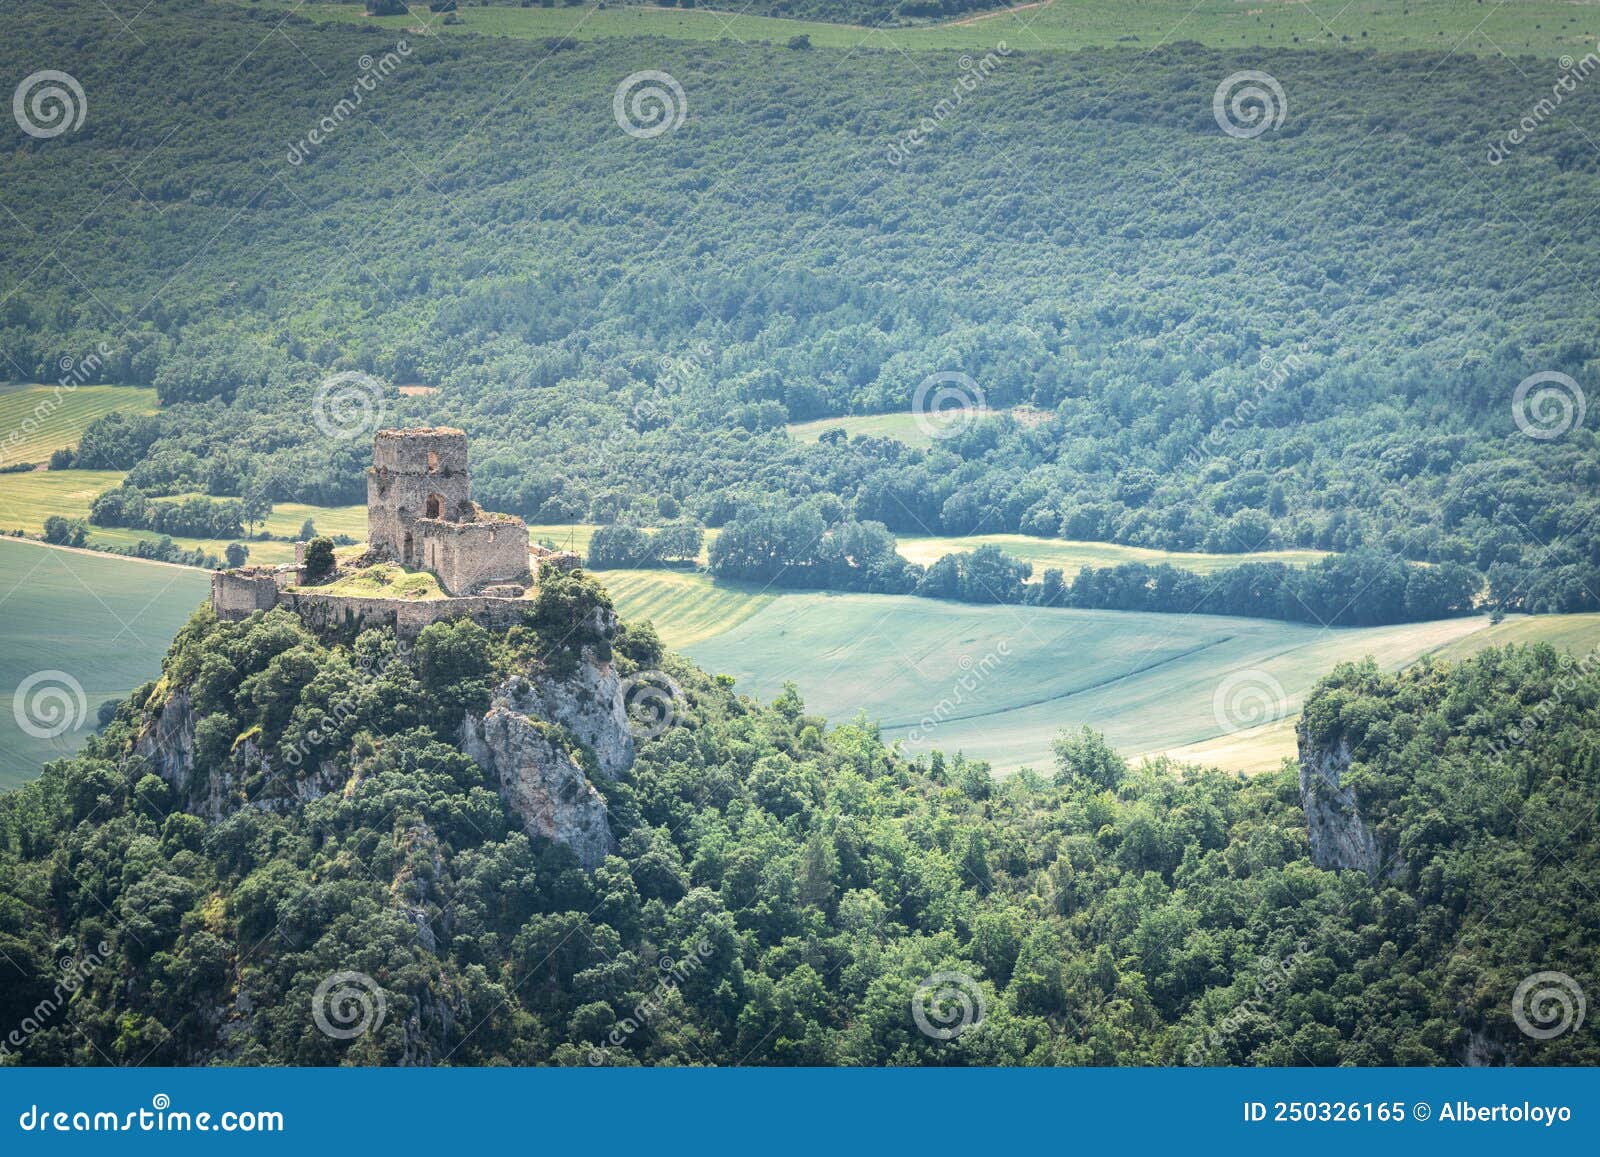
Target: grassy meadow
x=26 y=500
x=36 y=421
x=104 y=622
x=1544 y=28
x=685 y=608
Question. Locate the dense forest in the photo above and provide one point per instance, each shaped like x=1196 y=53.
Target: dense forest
x=1313 y=338
x=786 y=890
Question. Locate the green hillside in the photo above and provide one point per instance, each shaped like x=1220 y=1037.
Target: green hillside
x=629 y=325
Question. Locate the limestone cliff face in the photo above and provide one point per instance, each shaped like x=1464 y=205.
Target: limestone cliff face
x=588 y=703
x=167 y=743
x=538 y=743
x=1340 y=837
x=541 y=780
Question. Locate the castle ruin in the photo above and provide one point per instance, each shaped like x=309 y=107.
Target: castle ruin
x=420 y=514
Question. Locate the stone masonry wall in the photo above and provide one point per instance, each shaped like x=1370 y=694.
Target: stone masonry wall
x=344 y=614
x=469 y=555
x=415 y=474
x=236 y=594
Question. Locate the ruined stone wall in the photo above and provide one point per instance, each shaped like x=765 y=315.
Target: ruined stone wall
x=237 y=594
x=415 y=474
x=467 y=556
x=349 y=615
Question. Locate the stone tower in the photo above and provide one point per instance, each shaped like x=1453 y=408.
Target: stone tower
x=420 y=513
x=415 y=474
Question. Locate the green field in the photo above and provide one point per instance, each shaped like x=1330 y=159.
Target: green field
x=685 y=608
x=1011 y=678
x=35 y=420
x=26 y=500
x=105 y=622
x=1072 y=556
x=1545 y=28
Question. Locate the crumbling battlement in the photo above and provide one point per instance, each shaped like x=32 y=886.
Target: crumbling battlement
x=235 y=594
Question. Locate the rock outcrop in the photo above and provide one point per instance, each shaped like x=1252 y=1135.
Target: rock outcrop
x=541 y=780
x=1340 y=837
x=588 y=703
x=539 y=743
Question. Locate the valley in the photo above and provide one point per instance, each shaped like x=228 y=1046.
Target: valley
x=997 y=683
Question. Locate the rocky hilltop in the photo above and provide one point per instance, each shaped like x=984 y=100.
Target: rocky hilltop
x=541 y=734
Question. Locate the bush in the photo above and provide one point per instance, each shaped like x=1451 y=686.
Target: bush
x=65 y=531
x=318 y=559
